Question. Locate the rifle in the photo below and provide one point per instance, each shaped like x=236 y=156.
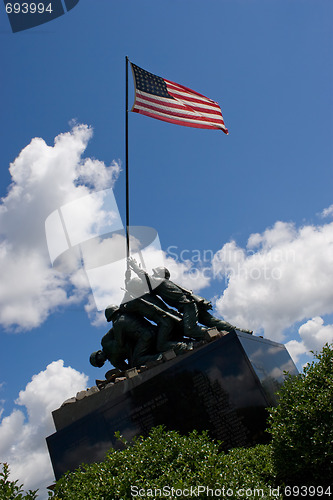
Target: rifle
x=150 y=304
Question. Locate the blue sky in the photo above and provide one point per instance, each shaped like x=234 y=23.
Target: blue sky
x=249 y=215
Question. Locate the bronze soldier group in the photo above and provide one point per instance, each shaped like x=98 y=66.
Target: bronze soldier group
x=155 y=315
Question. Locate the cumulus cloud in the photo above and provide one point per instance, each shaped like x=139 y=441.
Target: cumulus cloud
x=284 y=276
x=60 y=209
x=45 y=178
x=22 y=440
x=314 y=335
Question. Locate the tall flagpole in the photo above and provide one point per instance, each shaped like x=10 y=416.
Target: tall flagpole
x=127 y=175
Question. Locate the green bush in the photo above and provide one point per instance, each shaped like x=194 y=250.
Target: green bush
x=10 y=490
x=302 y=425
x=167 y=459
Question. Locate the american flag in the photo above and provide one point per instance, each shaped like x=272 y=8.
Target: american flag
x=174 y=103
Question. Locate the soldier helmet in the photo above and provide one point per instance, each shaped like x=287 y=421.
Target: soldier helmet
x=110 y=311
x=97 y=359
x=161 y=272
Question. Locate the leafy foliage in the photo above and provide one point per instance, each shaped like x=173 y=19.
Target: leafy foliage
x=165 y=458
x=302 y=424
x=10 y=490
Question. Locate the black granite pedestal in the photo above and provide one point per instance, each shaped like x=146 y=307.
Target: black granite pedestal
x=223 y=387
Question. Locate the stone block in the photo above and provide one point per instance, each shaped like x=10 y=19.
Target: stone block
x=80 y=395
x=212 y=334
x=167 y=355
x=132 y=372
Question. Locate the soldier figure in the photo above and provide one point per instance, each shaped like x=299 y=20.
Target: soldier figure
x=132 y=337
x=111 y=351
x=160 y=284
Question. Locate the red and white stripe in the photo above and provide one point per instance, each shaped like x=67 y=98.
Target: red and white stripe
x=188 y=108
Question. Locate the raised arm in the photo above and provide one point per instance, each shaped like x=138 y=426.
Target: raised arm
x=136 y=268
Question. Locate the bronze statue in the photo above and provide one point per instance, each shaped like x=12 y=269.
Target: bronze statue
x=173 y=294
x=134 y=340
x=160 y=284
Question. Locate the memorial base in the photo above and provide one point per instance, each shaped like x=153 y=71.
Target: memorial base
x=224 y=387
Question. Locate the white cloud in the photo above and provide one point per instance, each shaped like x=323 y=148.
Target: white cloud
x=314 y=335
x=44 y=178
x=327 y=212
x=188 y=275
x=58 y=200
x=22 y=442
x=284 y=276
